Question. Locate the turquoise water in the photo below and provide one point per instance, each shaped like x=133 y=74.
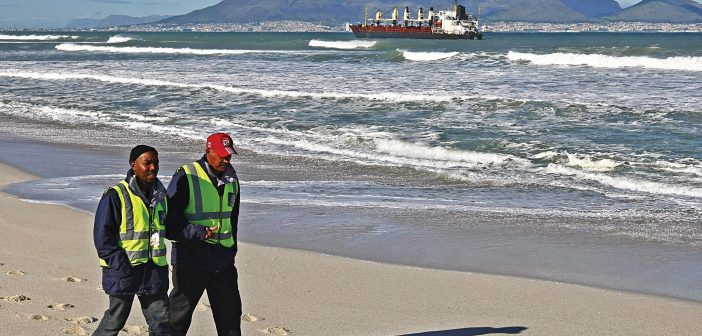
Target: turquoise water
x=500 y=153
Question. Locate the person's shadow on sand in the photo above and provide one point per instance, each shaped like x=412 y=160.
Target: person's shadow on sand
x=472 y=331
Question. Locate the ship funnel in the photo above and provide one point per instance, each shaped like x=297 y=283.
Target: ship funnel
x=461 y=13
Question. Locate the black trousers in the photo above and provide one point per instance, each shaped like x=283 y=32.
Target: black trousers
x=154 y=307
x=222 y=290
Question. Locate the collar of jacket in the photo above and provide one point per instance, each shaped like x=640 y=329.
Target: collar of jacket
x=228 y=177
x=157 y=190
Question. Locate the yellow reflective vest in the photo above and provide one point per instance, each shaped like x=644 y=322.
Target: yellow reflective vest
x=207 y=207
x=139 y=223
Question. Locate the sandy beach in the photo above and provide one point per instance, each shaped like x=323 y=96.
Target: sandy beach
x=51 y=285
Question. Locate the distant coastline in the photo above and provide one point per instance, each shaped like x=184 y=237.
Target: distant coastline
x=302 y=26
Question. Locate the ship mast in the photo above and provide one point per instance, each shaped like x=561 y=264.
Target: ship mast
x=365 y=18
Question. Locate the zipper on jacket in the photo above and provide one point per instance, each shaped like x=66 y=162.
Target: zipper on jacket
x=151 y=222
x=219 y=229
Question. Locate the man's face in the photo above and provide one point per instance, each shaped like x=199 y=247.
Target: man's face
x=219 y=164
x=146 y=167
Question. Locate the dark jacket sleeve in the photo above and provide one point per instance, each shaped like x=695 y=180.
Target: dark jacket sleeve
x=235 y=217
x=177 y=226
x=108 y=217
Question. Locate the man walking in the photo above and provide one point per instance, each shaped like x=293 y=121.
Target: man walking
x=203 y=197
x=129 y=238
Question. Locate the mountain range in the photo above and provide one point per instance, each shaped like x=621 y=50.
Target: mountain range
x=543 y=10
x=675 y=11
x=336 y=12
x=113 y=20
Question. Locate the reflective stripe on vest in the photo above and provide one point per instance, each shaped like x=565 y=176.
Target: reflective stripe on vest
x=137 y=226
x=207 y=208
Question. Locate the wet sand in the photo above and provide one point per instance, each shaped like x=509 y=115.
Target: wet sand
x=51 y=279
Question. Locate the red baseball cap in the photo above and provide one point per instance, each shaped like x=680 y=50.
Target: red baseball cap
x=222 y=144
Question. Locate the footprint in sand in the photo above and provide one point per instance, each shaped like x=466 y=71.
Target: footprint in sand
x=75 y=330
x=60 y=306
x=251 y=318
x=136 y=330
x=36 y=317
x=278 y=331
x=82 y=319
x=16 y=298
x=73 y=279
x=15 y=272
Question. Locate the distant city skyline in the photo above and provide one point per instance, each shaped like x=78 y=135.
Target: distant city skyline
x=56 y=14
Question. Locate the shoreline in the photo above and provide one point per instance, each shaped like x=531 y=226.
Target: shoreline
x=497 y=244
x=308 y=293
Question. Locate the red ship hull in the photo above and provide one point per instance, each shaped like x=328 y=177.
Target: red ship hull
x=414 y=32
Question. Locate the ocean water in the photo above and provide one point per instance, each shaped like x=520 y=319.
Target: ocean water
x=564 y=156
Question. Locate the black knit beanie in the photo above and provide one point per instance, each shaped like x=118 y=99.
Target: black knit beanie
x=138 y=150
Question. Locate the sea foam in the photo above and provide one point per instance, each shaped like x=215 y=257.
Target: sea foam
x=605 y=61
x=119 y=39
x=627 y=183
x=587 y=162
x=384 y=96
x=37 y=37
x=151 y=50
x=426 y=56
x=449 y=155
x=80 y=117
x=342 y=44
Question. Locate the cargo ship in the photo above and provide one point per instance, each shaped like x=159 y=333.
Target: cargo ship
x=444 y=24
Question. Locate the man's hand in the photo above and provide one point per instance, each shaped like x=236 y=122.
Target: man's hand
x=211 y=231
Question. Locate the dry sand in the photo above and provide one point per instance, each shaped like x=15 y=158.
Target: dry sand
x=50 y=279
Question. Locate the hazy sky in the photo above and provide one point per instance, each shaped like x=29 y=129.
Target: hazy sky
x=56 y=13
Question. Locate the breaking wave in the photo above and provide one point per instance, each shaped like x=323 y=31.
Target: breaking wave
x=426 y=56
x=83 y=117
x=119 y=39
x=447 y=155
x=154 y=50
x=583 y=161
x=36 y=37
x=342 y=44
x=627 y=183
x=384 y=96
x=686 y=63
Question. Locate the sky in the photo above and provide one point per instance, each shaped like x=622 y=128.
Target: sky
x=57 y=13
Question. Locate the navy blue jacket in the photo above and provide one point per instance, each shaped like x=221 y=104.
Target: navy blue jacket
x=189 y=247
x=120 y=277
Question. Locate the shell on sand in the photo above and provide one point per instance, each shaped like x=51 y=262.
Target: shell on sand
x=15 y=272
